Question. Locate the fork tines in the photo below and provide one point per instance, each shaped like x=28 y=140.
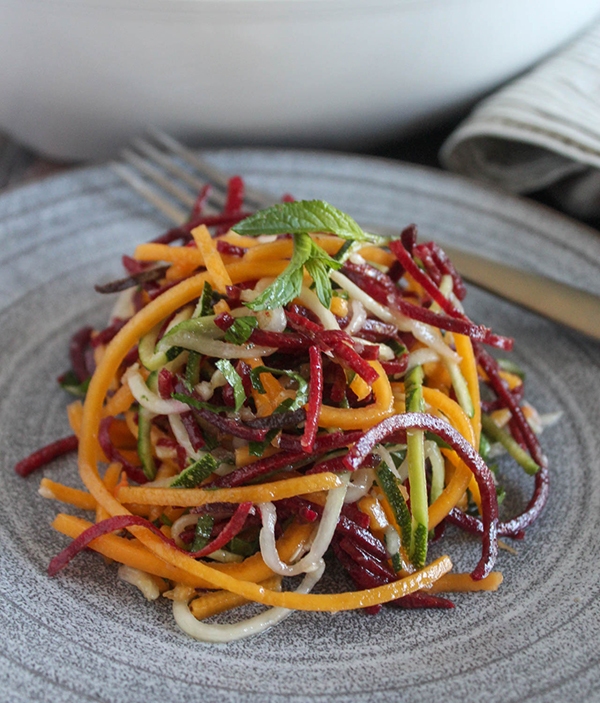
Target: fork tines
x=169 y=175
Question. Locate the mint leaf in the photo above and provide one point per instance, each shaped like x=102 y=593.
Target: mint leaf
x=320 y=275
x=288 y=284
x=202 y=533
x=200 y=404
x=234 y=379
x=304 y=217
x=241 y=330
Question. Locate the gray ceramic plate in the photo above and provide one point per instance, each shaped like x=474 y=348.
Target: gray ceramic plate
x=86 y=636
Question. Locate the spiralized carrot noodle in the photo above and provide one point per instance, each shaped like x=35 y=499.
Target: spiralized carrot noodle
x=252 y=423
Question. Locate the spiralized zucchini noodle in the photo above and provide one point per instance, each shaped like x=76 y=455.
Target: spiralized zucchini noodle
x=279 y=390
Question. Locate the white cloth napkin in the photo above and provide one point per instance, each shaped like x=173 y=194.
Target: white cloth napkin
x=541 y=130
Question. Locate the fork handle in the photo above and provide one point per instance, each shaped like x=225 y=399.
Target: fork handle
x=570 y=306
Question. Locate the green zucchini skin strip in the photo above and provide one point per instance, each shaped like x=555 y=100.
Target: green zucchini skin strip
x=144 y=444
x=505 y=439
x=461 y=389
x=387 y=483
x=195 y=473
x=415 y=448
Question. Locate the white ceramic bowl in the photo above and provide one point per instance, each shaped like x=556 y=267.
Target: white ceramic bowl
x=79 y=78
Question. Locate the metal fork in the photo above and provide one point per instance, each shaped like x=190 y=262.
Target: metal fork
x=161 y=162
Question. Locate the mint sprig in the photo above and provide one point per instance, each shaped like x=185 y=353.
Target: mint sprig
x=304 y=217
x=288 y=285
x=234 y=380
x=300 y=219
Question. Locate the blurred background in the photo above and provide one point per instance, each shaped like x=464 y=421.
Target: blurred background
x=504 y=92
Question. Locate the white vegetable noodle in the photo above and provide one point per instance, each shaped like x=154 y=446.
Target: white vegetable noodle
x=361 y=483
x=310 y=300
x=149 y=400
x=140 y=579
x=183 y=438
x=358 y=319
x=322 y=540
x=228 y=633
x=420 y=331
x=212 y=347
x=420 y=357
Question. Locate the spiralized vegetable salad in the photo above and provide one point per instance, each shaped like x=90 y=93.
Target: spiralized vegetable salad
x=280 y=386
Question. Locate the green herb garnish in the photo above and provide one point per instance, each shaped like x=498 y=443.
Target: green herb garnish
x=70 y=383
x=300 y=219
x=235 y=381
x=304 y=217
x=202 y=534
x=241 y=330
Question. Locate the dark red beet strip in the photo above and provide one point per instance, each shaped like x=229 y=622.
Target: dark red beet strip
x=193 y=431
x=231 y=530
x=201 y=201
x=230 y=249
x=422 y=252
x=431 y=289
x=335 y=465
x=120 y=522
x=374 y=283
x=133 y=266
x=419 y=599
x=408 y=237
x=352 y=511
x=166 y=383
x=365 y=578
x=183 y=232
x=515 y=526
x=256 y=469
x=315 y=400
x=109 y=333
x=395 y=367
x=446 y=266
x=46 y=454
x=336 y=341
x=135 y=473
x=277 y=421
x=483 y=476
x=121 y=284
x=297 y=507
x=364 y=538
x=338 y=387
x=489 y=406
x=235 y=196
x=229 y=425
x=282 y=340
x=79 y=342
x=497 y=383
x=325 y=442
x=378 y=568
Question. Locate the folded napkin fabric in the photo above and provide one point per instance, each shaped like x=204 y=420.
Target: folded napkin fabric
x=542 y=130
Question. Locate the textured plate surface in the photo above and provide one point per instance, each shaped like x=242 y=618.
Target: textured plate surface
x=84 y=635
